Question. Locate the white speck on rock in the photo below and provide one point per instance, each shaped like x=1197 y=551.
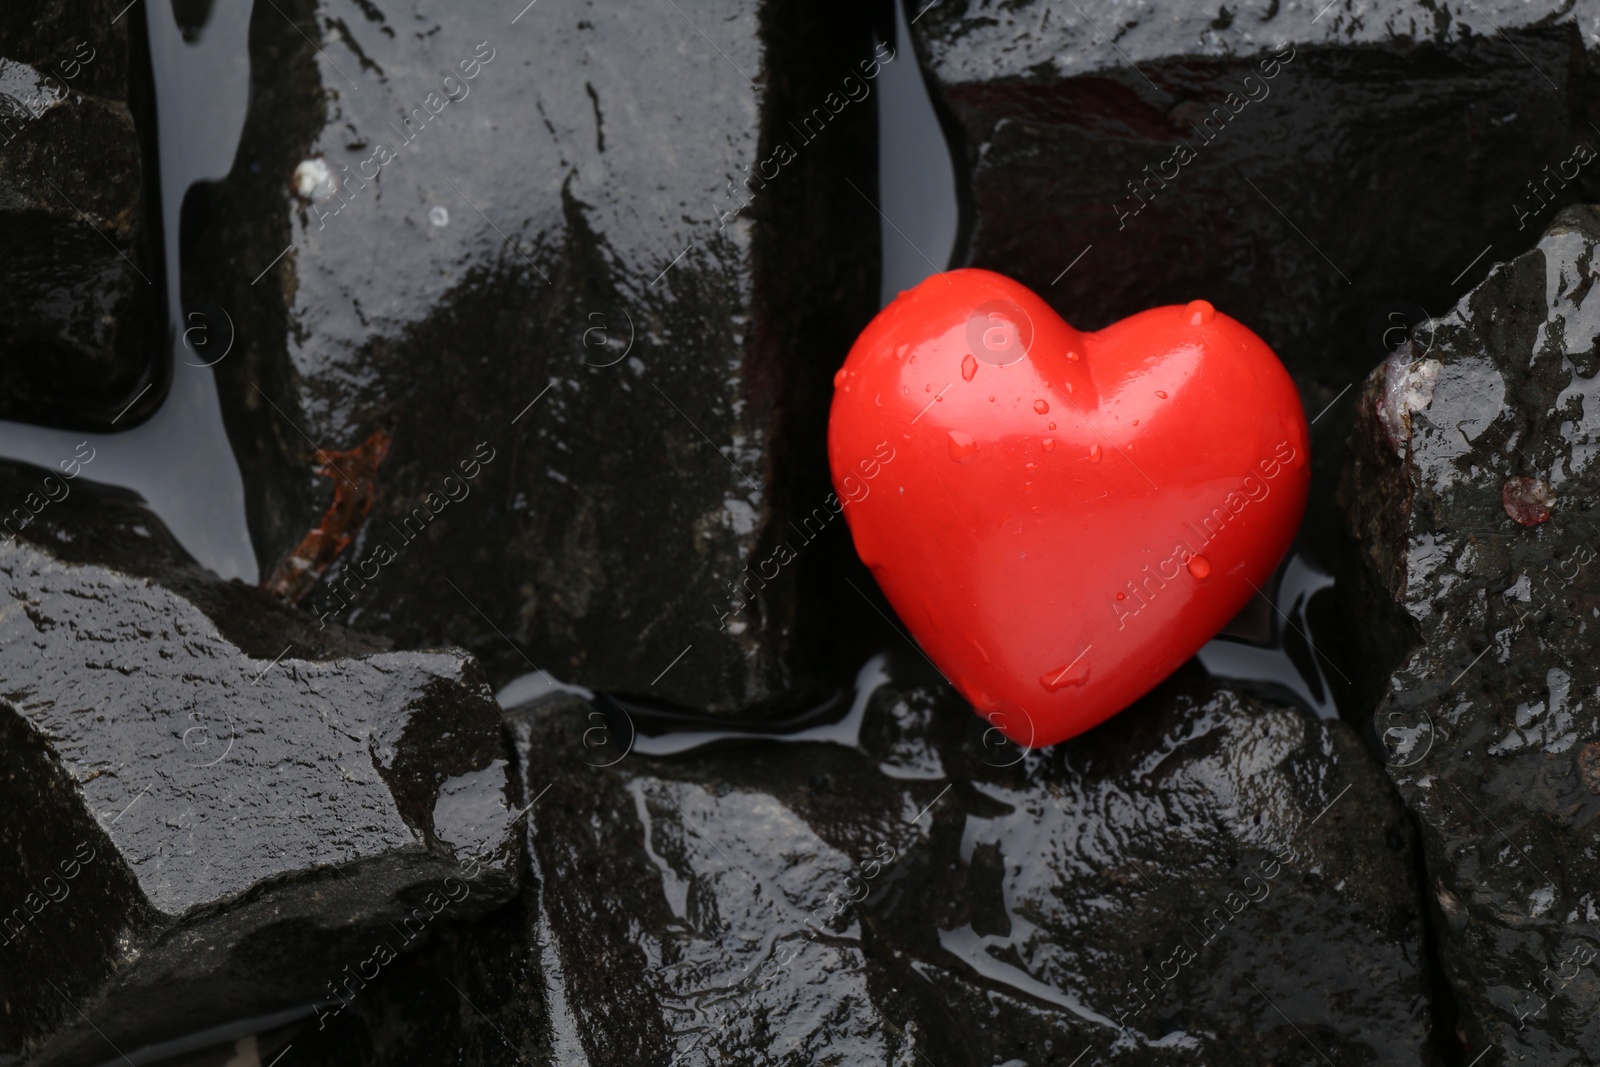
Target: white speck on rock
x=1539 y=901
x=740 y=516
x=314 y=180
x=1407 y=389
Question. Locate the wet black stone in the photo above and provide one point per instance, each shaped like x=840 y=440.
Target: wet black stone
x=1005 y=902
x=1480 y=630
x=77 y=286
x=213 y=809
x=547 y=283
x=1324 y=208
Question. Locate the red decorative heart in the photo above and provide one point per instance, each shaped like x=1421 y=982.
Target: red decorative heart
x=1063 y=518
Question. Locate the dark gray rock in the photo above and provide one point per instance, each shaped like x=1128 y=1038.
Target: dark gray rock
x=1334 y=148
x=77 y=291
x=604 y=385
x=475 y=995
x=215 y=810
x=1154 y=892
x=1481 y=646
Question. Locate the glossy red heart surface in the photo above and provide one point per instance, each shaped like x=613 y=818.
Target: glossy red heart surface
x=1063 y=518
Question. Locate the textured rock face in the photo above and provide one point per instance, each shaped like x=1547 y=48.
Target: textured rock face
x=75 y=282
x=1472 y=493
x=1206 y=878
x=226 y=808
x=1304 y=166
x=591 y=274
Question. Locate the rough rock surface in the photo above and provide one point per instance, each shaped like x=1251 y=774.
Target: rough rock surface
x=214 y=809
x=552 y=281
x=1206 y=878
x=76 y=283
x=1334 y=149
x=1482 y=635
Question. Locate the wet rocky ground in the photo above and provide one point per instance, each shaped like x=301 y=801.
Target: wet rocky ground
x=78 y=329
x=518 y=743
x=212 y=805
x=1472 y=492
x=604 y=338
x=1154 y=893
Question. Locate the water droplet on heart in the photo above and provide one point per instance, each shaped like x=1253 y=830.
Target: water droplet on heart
x=838 y=377
x=906 y=389
x=1072 y=357
x=1199 y=312
x=1030 y=468
x=928 y=388
x=969 y=367
x=912 y=361
x=1136 y=422
x=1122 y=596
x=1161 y=394
x=900 y=353
x=1049 y=444
x=878 y=399
x=1094 y=453
x=1042 y=406
x=1068 y=386
x=991 y=398
x=1049 y=425
x=1074 y=673
x=962 y=446
x=1199 y=566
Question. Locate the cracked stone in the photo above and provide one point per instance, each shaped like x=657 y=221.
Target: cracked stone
x=76 y=293
x=1480 y=639
x=1305 y=167
x=226 y=807
x=592 y=302
x=1155 y=892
